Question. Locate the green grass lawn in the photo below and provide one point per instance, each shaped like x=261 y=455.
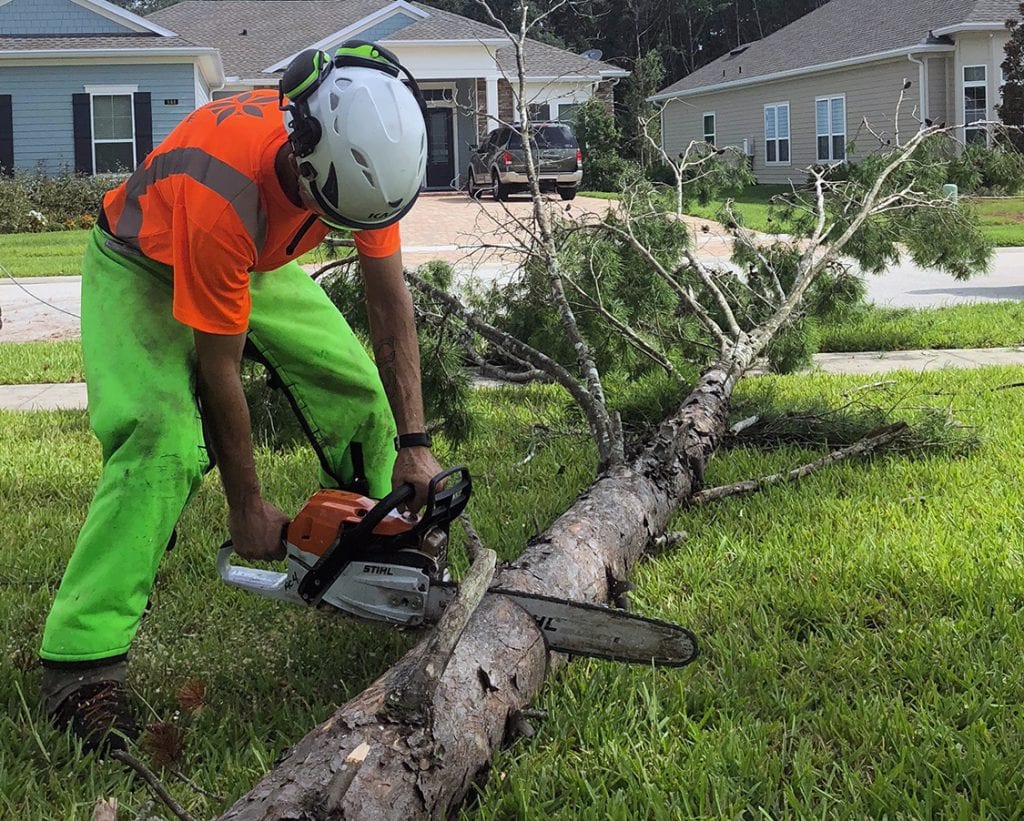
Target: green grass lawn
x=984 y=325
x=861 y=632
x=752 y=204
x=59 y=253
x=27 y=363
x=50 y=253
x=1002 y=220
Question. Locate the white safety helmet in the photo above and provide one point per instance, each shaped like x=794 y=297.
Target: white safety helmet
x=358 y=133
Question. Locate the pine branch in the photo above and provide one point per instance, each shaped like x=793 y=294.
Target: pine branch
x=597 y=417
x=751 y=486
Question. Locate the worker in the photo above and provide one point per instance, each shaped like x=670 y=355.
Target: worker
x=192 y=263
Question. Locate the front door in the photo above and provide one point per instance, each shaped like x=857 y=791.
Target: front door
x=440 y=148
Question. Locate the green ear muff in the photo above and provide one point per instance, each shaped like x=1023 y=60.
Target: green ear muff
x=302 y=77
x=304 y=74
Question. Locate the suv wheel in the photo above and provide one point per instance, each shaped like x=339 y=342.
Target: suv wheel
x=471 y=188
x=568 y=193
x=498 y=188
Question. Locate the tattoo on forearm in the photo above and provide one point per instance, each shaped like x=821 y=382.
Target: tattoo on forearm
x=387 y=357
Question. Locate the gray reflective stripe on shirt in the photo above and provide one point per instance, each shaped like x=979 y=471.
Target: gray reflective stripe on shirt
x=239 y=190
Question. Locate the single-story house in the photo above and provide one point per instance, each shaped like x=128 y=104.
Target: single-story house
x=86 y=85
x=813 y=92
x=223 y=47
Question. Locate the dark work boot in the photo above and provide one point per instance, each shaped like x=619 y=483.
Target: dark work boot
x=92 y=702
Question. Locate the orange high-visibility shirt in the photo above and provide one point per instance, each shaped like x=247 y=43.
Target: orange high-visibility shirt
x=207 y=202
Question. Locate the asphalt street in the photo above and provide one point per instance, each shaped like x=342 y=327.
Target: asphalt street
x=46 y=308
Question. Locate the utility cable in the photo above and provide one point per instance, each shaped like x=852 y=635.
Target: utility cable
x=10 y=276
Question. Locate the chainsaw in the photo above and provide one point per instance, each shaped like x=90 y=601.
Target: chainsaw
x=369 y=560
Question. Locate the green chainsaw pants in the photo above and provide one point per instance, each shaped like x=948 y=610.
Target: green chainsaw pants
x=140 y=374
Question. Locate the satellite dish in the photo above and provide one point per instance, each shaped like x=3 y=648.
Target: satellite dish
x=593 y=54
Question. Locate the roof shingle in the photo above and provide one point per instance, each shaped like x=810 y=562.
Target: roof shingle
x=276 y=29
x=843 y=30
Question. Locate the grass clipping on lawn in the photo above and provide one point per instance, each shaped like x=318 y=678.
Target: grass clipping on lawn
x=860 y=629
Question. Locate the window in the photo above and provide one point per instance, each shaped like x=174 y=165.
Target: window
x=776 y=133
x=975 y=103
x=830 y=115
x=538 y=112
x=438 y=95
x=113 y=133
x=567 y=112
x=709 y=128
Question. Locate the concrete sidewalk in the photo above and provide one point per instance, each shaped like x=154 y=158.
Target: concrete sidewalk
x=66 y=396
x=872 y=362
x=72 y=395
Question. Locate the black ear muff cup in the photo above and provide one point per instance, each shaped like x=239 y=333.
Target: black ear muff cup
x=305 y=74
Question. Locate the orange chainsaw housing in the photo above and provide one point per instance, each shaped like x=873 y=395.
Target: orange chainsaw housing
x=318 y=524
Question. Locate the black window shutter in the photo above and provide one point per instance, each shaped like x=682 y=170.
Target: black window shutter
x=82 y=118
x=143 y=124
x=6 y=135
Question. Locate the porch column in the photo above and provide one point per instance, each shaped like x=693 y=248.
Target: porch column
x=492 y=102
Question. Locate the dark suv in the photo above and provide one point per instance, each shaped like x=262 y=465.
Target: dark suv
x=499 y=165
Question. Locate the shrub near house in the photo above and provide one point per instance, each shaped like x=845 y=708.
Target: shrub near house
x=36 y=202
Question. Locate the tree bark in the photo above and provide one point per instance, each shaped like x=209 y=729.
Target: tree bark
x=421 y=767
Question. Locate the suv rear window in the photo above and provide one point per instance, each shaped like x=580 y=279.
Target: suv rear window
x=546 y=136
x=555 y=136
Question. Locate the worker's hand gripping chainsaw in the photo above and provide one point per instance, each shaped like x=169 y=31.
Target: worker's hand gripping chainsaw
x=369 y=560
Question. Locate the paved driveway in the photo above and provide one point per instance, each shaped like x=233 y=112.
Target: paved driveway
x=478 y=236
x=464 y=231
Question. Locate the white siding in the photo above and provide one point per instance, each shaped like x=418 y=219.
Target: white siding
x=977 y=48
x=871 y=91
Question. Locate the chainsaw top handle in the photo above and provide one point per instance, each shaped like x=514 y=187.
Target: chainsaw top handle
x=443 y=505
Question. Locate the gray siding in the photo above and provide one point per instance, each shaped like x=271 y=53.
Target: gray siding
x=380 y=30
x=41 y=103
x=938 y=90
x=27 y=17
x=871 y=92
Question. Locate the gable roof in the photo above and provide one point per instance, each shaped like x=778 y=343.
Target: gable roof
x=846 y=31
x=141 y=38
x=274 y=30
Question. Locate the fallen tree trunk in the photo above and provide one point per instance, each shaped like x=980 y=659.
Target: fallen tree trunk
x=421 y=766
